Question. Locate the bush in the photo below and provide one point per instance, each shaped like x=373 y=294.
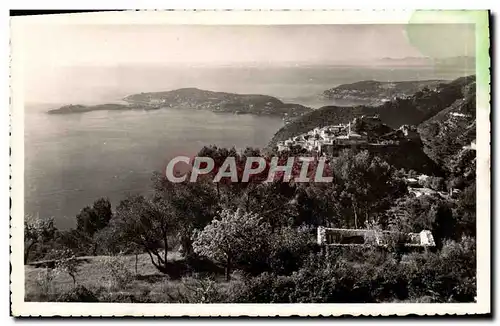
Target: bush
x=118 y=271
x=446 y=276
x=265 y=288
x=319 y=281
x=45 y=284
x=234 y=237
x=202 y=290
x=37 y=233
x=68 y=264
x=193 y=289
x=288 y=248
x=78 y=294
x=341 y=276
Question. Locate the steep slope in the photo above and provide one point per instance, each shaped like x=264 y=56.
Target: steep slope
x=406 y=150
x=447 y=136
x=412 y=110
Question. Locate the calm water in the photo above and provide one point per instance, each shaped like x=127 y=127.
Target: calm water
x=71 y=160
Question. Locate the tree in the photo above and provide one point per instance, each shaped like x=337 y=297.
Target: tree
x=147 y=223
x=92 y=219
x=194 y=205
x=68 y=263
x=414 y=214
x=233 y=236
x=273 y=202
x=36 y=231
x=368 y=185
x=219 y=155
x=78 y=241
x=466 y=212
x=435 y=183
x=112 y=241
x=319 y=204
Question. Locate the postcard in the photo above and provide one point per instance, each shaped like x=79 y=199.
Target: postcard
x=250 y=163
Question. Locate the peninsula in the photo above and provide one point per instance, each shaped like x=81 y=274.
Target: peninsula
x=198 y=99
x=378 y=92
x=69 y=109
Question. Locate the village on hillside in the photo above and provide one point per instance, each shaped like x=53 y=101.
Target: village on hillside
x=367 y=132
x=331 y=138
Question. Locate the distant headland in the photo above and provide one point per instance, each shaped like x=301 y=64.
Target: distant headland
x=198 y=99
x=69 y=109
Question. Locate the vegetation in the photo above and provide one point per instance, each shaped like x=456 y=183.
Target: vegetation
x=376 y=92
x=449 y=131
x=255 y=242
x=36 y=232
x=198 y=99
x=78 y=108
x=209 y=242
x=235 y=237
x=412 y=110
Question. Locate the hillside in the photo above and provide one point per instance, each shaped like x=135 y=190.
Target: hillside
x=197 y=99
x=407 y=151
x=377 y=92
x=412 y=110
x=68 y=109
x=448 y=134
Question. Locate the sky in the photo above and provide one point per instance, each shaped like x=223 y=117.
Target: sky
x=53 y=56
x=52 y=46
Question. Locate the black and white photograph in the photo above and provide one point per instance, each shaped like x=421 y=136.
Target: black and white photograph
x=163 y=159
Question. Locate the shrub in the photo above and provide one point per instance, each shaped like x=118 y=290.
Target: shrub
x=235 y=237
x=37 y=232
x=118 y=271
x=202 y=290
x=193 y=289
x=446 y=276
x=264 y=288
x=78 y=294
x=45 y=283
x=288 y=247
x=68 y=264
x=319 y=281
x=147 y=224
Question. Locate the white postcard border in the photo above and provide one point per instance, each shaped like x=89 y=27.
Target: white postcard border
x=480 y=18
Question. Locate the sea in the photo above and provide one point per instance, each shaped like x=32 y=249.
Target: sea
x=72 y=160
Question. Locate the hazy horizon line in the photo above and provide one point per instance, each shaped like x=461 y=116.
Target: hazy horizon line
x=268 y=63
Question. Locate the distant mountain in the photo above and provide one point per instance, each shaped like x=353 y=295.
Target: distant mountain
x=464 y=62
x=412 y=110
x=377 y=92
x=197 y=99
x=406 y=61
x=69 y=109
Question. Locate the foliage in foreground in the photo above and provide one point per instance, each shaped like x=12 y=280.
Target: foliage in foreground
x=340 y=275
x=444 y=276
x=262 y=234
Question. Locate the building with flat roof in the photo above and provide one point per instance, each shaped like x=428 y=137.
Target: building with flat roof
x=365 y=237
